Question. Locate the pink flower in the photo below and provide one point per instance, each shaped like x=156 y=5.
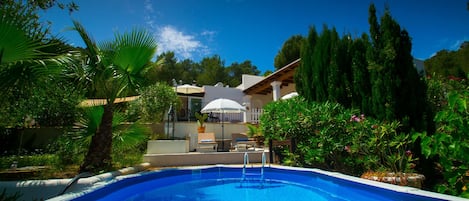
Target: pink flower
x=347 y=149
x=408 y=153
x=356 y=118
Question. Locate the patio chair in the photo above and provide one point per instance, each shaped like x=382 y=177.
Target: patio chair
x=241 y=142
x=206 y=142
x=213 y=118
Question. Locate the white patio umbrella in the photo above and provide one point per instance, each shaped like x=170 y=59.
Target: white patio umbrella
x=290 y=95
x=222 y=106
x=189 y=89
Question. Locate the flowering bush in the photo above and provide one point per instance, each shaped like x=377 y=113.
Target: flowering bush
x=379 y=145
x=331 y=137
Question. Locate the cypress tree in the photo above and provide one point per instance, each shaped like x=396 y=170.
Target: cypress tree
x=332 y=71
x=344 y=62
x=378 y=90
x=361 y=89
x=411 y=102
x=304 y=73
x=321 y=60
x=390 y=31
x=397 y=90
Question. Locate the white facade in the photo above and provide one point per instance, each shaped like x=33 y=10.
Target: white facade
x=215 y=92
x=249 y=80
x=219 y=91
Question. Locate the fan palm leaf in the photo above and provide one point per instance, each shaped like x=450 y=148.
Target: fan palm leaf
x=22 y=59
x=15 y=45
x=91 y=51
x=124 y=136
x=129 y=55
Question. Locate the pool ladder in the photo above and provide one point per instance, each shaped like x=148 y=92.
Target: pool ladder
x=245 y=174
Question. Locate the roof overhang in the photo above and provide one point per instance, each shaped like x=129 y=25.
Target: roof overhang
x=97 y=102
x=284 y=75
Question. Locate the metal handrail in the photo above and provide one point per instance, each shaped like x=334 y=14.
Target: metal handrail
x=246 y=162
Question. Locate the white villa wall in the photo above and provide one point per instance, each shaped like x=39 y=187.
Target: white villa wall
x=249 y=80
x=212 y=93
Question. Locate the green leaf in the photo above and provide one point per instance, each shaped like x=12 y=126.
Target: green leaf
x=15 y=44
x=442 y=188
x=453 y=99
x=441 y=116
x=465 y=194
x=453 y=180
x=426 y=150
x=416 y=135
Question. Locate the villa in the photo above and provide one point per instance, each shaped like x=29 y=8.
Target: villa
x=254 y=92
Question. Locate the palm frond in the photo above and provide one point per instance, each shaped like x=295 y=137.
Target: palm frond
x=133 y=50
x=128 y=136
x=91 y=120
x=25 y=60
x=16 y=46
x=92 y=50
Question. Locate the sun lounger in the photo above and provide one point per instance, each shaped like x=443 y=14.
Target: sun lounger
x=241 y=142
x=206 y=142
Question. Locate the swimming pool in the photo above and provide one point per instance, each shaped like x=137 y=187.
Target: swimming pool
x=277 y=183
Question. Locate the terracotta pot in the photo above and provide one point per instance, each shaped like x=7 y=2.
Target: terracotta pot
x=401 y=179
x=201 y=129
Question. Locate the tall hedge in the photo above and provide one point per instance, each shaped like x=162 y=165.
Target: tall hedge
x=376 y=76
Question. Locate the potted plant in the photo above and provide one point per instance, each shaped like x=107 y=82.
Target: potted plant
x=200 y=122
x=256 y=133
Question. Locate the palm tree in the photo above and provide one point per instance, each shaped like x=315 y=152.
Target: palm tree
x=112 y=69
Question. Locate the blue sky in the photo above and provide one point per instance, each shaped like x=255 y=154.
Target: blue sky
x=255 y=30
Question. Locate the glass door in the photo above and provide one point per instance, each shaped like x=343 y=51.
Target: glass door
x=195 y=106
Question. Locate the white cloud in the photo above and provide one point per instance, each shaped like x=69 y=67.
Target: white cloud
x=148 y=6
x=210 y=35
x=183 y=45
x=169 y=38
x=149 y=14
x=456 y=45
x=448 y=44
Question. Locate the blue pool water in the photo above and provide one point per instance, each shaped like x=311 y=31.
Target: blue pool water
x=224 y=183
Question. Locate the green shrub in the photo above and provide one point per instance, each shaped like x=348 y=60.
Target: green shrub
x=331 y=137
x=450 y=145
x=153 y=103
x=70 y=148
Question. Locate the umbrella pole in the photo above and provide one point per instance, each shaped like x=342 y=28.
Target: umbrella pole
x=222 y=133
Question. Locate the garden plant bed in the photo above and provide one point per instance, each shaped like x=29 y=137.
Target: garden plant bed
x=38 y=172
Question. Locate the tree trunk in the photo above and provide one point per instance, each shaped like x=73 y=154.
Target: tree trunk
x=99 y=153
